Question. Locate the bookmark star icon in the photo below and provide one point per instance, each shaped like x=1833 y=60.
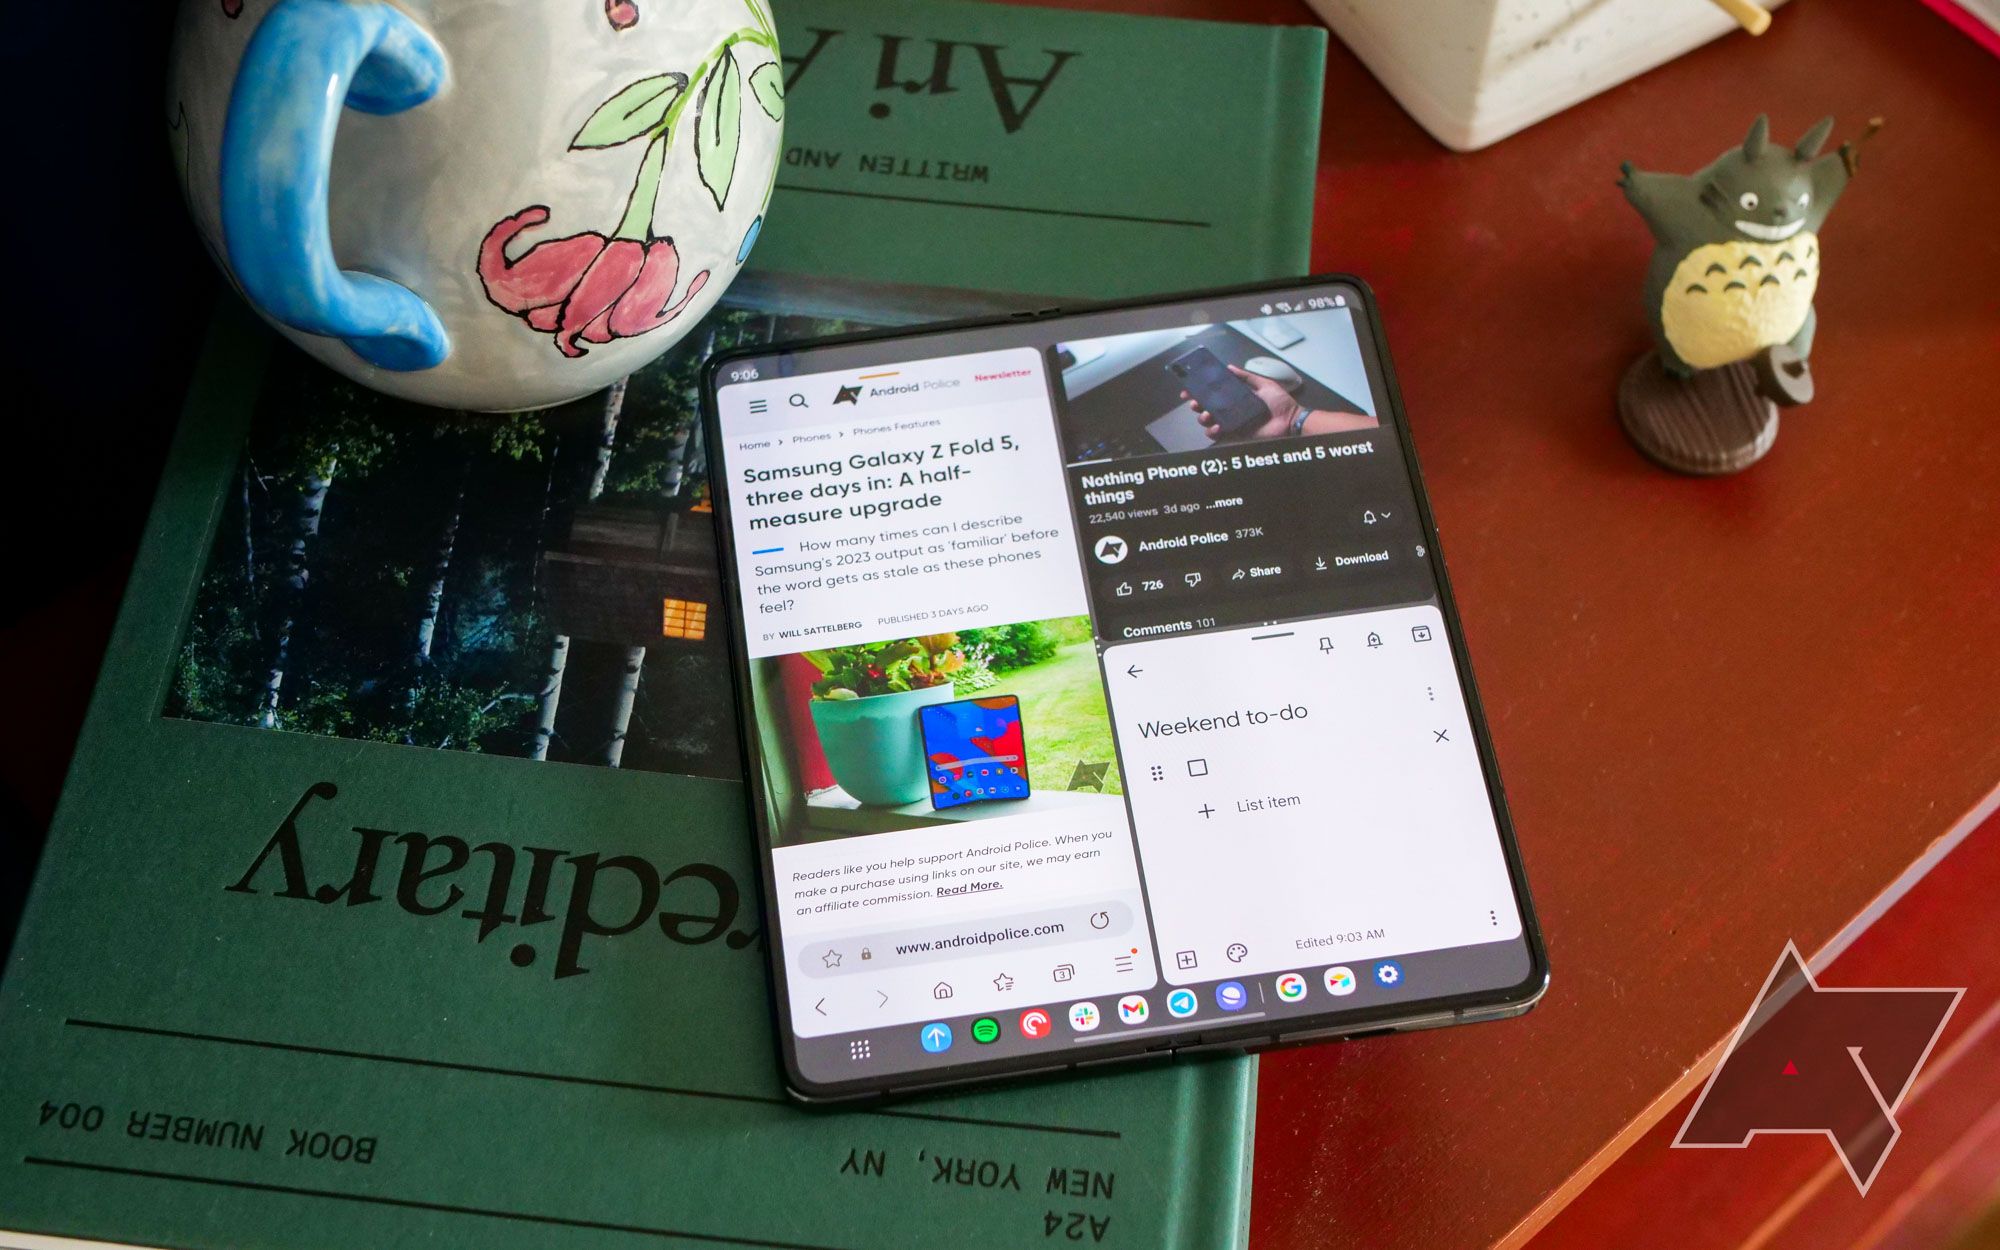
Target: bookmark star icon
x=1812 y=1059
x=831 y=959
x=1003 y=983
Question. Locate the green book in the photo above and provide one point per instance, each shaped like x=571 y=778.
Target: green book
x=1050 y=153
x=402 y=891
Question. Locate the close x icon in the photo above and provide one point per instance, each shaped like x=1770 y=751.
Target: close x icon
x=1812 y=1059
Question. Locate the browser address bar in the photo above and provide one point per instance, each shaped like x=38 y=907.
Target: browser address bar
x=949 y=940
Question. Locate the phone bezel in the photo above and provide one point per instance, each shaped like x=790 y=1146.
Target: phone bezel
x=1248 y=1037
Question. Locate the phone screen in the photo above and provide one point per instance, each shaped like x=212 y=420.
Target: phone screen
x=1213 y=389
x=1247 y=795
x=975 y=751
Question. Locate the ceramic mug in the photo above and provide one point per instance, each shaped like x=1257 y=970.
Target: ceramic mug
x=479 y=204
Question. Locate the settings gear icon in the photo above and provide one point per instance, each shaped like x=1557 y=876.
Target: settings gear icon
x=1388 y=973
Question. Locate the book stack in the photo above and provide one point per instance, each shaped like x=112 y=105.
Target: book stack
x=402 y=893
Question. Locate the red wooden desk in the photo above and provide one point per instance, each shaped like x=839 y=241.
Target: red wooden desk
x=1939 y=1189
x=1729 y=712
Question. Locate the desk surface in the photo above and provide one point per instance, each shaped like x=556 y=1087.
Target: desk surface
x=1728 y=712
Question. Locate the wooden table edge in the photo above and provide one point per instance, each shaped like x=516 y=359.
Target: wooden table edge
x=1643 y=1123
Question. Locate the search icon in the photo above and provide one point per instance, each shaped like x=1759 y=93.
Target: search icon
x=797 y=401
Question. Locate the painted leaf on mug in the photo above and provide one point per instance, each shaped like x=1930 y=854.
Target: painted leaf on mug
x=632 y=113
x=594 y=286
x=767 y=83
x=718 y=127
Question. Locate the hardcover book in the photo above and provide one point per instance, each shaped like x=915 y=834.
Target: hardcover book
x=998 y=148
x=402 y=891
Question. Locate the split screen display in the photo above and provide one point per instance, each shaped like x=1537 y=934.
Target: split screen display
x=1101 y=684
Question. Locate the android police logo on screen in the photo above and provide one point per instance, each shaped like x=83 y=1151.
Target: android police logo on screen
x=499 y=885
x=847 y=395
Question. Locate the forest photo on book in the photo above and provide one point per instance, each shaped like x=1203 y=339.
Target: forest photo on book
x=541 y=585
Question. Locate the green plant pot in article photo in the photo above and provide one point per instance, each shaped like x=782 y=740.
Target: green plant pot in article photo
x=875 y=746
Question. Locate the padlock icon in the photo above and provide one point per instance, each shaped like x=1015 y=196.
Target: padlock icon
x=865 y=954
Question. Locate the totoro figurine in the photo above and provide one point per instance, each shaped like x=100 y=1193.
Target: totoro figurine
x=1737 y=255
x=1736 y=263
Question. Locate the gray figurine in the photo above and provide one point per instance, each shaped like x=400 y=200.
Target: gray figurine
x=1737 y=255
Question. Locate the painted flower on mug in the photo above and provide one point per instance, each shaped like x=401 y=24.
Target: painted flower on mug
x=584 y=288
x=592 y=287
x=622 y=14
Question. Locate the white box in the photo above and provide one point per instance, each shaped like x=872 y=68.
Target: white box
x=1475 y=71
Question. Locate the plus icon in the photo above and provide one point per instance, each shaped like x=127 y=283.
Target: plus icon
x=1206 y=811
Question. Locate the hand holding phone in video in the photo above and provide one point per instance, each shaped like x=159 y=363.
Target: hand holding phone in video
x=1283 y=409
x=1287 y=415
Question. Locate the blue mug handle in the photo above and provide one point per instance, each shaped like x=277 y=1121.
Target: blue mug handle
x=306 y=58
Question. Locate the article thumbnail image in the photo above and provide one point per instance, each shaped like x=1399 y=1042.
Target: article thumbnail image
x=844 y=736
x=1188 y=388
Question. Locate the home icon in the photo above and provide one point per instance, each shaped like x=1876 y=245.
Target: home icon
x=941 y=990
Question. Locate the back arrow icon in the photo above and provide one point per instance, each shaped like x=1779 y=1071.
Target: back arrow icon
x=1133 y=670
x=820 y=1006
